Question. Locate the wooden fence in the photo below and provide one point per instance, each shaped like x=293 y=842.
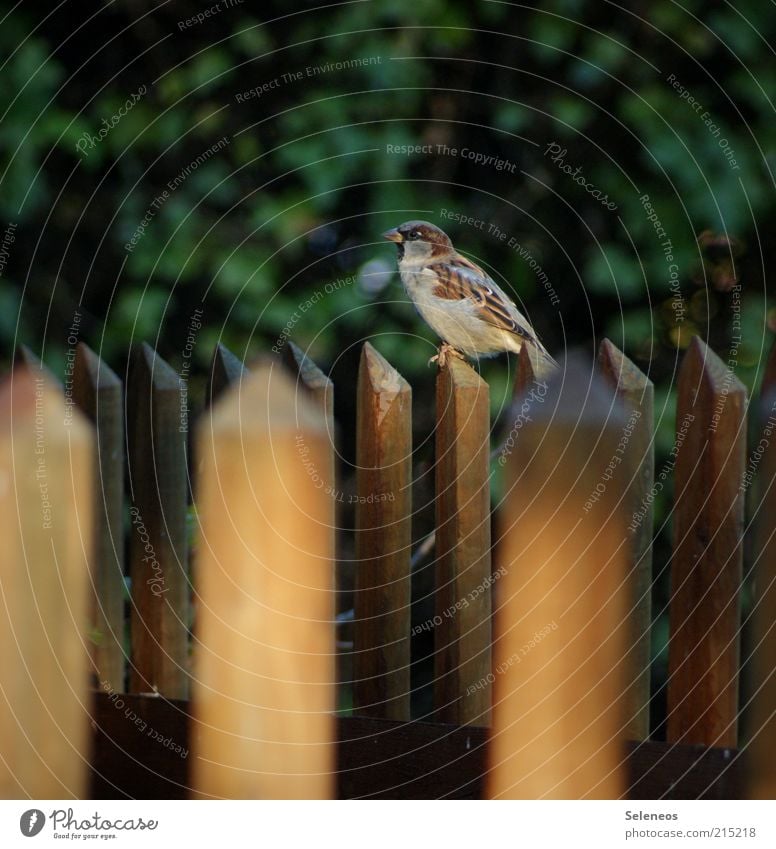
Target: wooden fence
x=207 y=665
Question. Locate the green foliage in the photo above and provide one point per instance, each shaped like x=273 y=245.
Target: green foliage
x=676 y=105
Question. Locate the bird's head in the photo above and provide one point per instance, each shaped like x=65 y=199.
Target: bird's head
x=419 y=241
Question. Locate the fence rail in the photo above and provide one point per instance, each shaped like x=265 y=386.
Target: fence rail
x=206 y=662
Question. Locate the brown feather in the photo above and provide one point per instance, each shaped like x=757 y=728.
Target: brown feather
x=456 y=284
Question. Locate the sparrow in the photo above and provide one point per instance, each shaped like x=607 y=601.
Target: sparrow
x=460 y=302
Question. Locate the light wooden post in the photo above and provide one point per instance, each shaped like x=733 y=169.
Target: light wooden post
x=264 y=693
x=97 y=391
x=706 y=567
x=158 y=556
x=561 y=623
x=462 y=629
x=383 y=537
x=637 y=442
x=46 y=528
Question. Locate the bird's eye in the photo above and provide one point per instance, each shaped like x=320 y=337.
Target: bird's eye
x=414 y=234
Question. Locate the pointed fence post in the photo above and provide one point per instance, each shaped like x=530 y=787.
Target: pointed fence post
x=264 y=691
x=310 y=376
x=561 y=622
x=225 y=370
x=383 y=538
x=158 y=558
x=46 y=468
x=706 y=568
x=97 y=391
x=761 y=471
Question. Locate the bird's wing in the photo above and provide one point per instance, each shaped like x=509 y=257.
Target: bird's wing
x=460 y=278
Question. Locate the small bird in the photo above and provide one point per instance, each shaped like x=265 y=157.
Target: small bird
x=460 y=302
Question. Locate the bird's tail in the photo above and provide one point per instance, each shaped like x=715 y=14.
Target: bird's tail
x=543 y=365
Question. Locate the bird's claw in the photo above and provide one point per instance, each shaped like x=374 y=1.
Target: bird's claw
x=445 y=351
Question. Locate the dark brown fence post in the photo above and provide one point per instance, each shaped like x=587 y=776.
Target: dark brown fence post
x=706 y=567
x=637 y=443
x=316 y=382
x=264 y=688
x=98 y=393
x=462 y=629
x=381 y=686
x=561 y=621
x=761 y=469
x=158 y=557
x=46 y=484
x=225 y=370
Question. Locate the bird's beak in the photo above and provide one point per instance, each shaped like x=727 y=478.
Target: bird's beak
x=392 y=235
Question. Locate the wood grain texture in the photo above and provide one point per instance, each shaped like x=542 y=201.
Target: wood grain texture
x=635 y=455
x=378 y=759
x=561 y=623
x=264 y=693
x=97 y=392
x=381 y=686
x=761 y=472
x=157 y=471
x=462 y=628
x=46 y=487
x=706 y=566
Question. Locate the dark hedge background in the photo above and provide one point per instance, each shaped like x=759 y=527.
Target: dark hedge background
x=666 y=99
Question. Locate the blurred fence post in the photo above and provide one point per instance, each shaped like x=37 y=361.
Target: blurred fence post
x=46 y=483
x=561 y=622
x=264 y=690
